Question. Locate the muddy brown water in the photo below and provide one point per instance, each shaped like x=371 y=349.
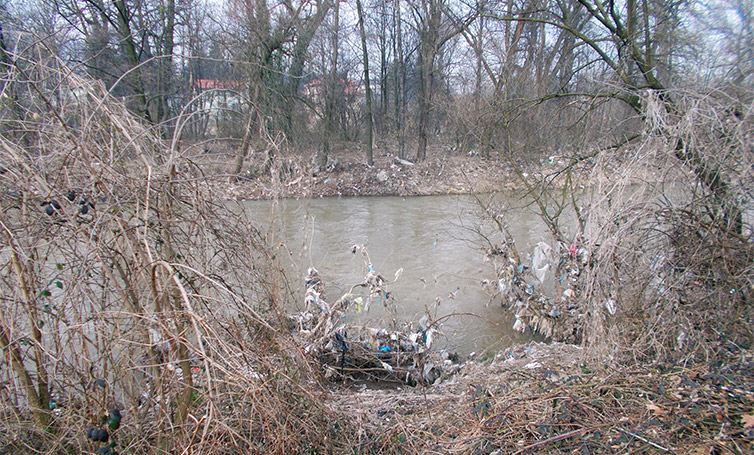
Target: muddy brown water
x=434 y=240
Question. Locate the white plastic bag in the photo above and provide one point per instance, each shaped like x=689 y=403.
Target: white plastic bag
x=541 y=261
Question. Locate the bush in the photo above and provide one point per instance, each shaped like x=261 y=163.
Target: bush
x=128 y=285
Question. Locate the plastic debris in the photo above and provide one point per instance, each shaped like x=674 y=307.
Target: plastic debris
x=554 y=317
x=399 y=354
x=431 y=373
x=519 y=325
x=423 y=322
x=541 y=260
x=315 y=291
x=402 y=162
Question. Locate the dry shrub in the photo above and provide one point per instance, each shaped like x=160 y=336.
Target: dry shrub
x=127 y=284
x=675 y=253
x=651 y=262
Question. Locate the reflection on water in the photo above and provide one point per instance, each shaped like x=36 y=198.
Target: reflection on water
x=431 y=238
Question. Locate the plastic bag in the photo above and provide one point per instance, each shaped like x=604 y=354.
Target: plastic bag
x=541 y=260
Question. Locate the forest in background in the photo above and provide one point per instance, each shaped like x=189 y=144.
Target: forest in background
x=528 y=79
x=130 y=290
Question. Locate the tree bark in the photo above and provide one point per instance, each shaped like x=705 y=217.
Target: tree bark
x=400 y=84
x=428 y=47
x=129 y=47
x=307 y=29
x=333 y=88
x=166 y=68
x=369 y=139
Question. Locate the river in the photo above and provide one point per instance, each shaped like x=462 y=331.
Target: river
x=432 y=239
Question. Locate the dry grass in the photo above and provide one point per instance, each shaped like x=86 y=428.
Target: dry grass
x=541 y=399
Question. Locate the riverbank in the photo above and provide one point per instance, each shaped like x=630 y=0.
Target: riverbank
x=532 y=398
x=347 y=174
x=541 y=398
x=133 y=292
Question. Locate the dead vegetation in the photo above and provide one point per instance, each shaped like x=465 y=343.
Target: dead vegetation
x=126 y=285
x=129 y=284
x=661 y=266
x=445 y=171
x=541 y=399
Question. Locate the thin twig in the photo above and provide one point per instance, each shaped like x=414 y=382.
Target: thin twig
x=656 y=446
x=549 y=441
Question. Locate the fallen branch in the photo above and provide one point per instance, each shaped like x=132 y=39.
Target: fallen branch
x=557 y=438
x=657 y=446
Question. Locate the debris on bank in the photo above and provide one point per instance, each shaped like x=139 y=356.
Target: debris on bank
x=352 y=352
x=556 y=315
x=540 y=398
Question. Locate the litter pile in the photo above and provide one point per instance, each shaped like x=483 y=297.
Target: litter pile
x=556 y=316
x=398 y=355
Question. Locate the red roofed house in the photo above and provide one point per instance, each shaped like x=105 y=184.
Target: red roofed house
x=219 y=100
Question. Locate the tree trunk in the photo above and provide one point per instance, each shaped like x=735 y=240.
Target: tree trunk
x=478 y=46
x=429 y=38
x=426 y=66
x=370 y=159
x=127 y=42
x=425 y=85
x=400 y=85
x=298 y=58
x=244 y=151
x=332 y=89
x=166 y=68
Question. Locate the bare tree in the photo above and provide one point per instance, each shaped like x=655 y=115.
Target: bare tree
x=428 y=17
x=133 y=41
x=332 y=88
x=274 y=42
x=399 y=82
x=365 y=53
x=434 y=29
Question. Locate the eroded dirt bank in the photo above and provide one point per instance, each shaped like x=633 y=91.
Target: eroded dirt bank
x=347 y=174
